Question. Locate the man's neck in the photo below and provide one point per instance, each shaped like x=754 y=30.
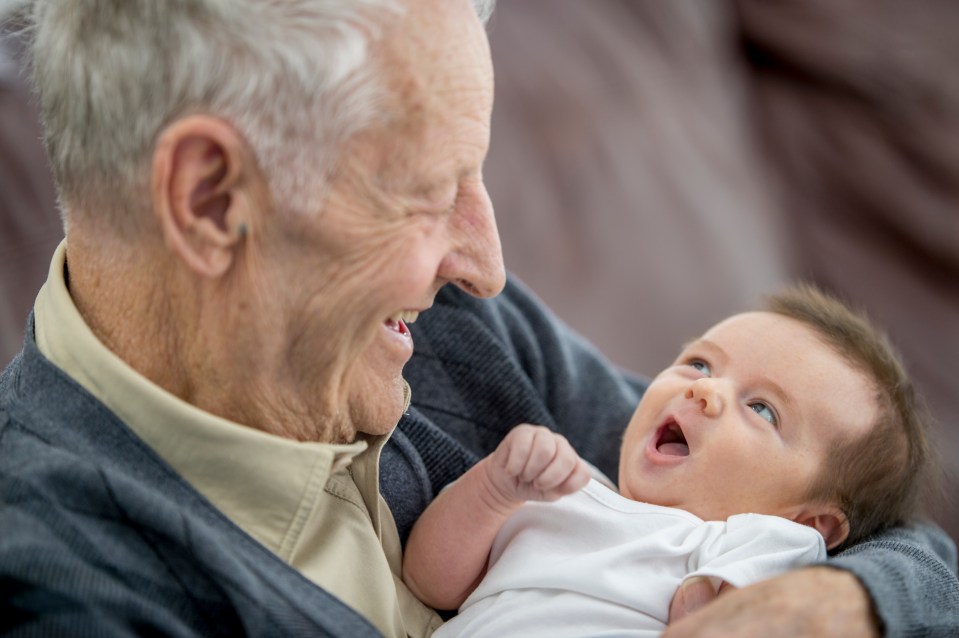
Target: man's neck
x=170 y=329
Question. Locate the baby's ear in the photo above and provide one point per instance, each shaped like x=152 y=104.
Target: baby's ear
x=828 y=520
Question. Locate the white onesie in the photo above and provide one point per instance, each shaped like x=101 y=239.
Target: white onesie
x=597 y=564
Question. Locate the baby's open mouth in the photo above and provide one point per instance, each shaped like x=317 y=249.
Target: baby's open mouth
x=671 y=440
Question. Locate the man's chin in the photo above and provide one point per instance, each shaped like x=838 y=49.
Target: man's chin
x=378 y=410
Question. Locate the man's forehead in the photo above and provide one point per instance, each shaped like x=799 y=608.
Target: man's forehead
x=438 y=75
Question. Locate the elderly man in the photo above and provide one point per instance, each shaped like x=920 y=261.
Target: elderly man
x=259 y=197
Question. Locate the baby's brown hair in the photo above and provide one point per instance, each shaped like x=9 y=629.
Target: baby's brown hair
x=881 y=478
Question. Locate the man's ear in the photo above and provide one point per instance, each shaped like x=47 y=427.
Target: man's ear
x=828 y=520
x=201 y=168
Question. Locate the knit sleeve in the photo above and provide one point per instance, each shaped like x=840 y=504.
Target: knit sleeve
x=910 y=573
x=483 y=366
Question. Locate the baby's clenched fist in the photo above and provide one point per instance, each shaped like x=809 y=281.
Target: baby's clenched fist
x=535 y=463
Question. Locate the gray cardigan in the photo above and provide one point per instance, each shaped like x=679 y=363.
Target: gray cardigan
x=100 y=537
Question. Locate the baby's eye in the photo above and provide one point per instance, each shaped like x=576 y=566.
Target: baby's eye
x=766 y=412
x=701 y=366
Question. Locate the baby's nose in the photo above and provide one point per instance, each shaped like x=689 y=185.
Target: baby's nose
x=706 y=392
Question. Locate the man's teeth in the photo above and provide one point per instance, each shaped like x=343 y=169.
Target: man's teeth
x=408 y=316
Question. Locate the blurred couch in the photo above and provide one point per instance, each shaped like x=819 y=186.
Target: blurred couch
x=656 y=166
x=29 y=226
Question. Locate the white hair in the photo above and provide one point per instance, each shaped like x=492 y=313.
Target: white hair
x=293 y=76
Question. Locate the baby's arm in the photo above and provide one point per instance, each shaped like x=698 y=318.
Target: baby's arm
x=446 y=554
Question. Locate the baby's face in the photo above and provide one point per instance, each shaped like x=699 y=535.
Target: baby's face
x=743 y=420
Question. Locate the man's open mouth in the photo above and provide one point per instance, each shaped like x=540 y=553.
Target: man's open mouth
x=671 y=441
x=398 y=322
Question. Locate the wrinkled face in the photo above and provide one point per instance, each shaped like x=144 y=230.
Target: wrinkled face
x=742 y=421
x=407 y=213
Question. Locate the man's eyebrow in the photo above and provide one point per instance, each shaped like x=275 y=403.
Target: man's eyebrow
x=433 y=190
x=440 y=185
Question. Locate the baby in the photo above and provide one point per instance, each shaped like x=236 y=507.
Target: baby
x=775 y=437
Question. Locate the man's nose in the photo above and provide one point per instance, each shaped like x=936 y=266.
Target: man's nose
x=708 y=393
x=475 y=262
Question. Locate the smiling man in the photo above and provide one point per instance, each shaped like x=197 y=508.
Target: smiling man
x=216 y=359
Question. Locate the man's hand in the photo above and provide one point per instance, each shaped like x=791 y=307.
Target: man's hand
x=534 y=463
x=811 y=602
